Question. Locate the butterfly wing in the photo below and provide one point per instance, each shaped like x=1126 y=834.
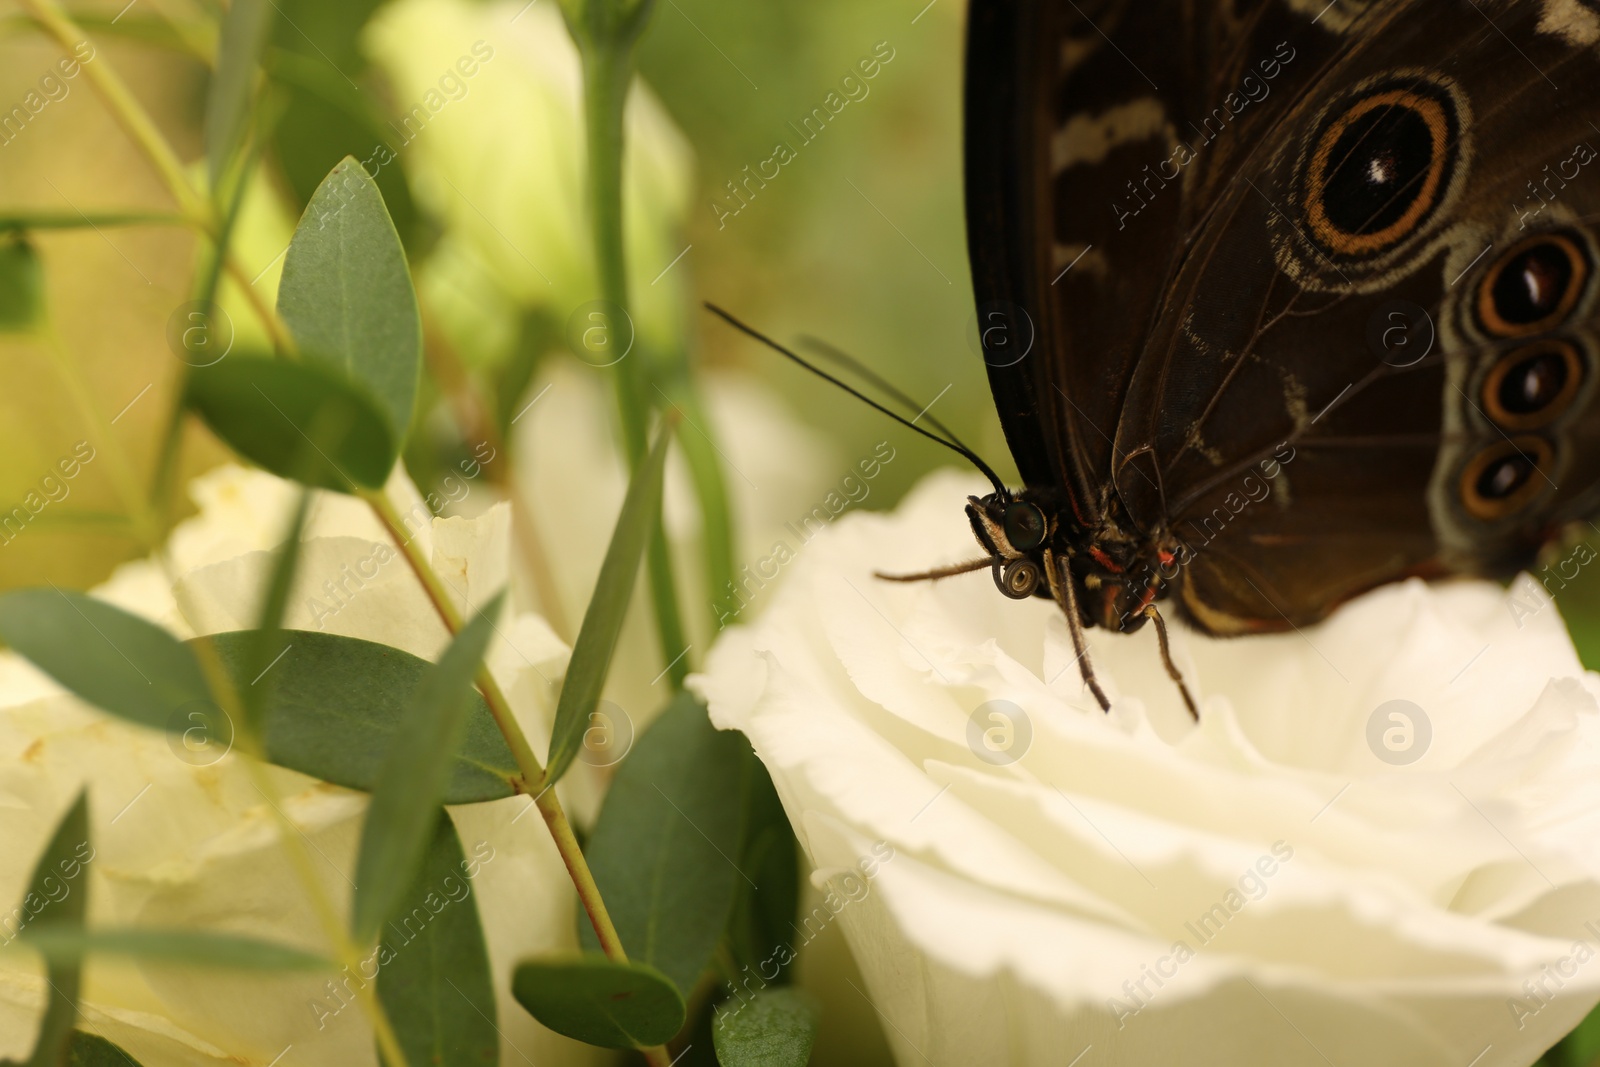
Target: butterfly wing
x=1314 y=386
x=1073 y=114
x=1377 y=356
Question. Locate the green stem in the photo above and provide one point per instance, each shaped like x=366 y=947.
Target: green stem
x=223 y=690
x=607 y=73
x=499 y=706
x=698 y=443
x=127 y=110
x=528 y=764
x=72 y=220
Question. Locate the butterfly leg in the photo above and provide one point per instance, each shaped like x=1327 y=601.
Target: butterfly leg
x=1067 y=599
x=1166 y=658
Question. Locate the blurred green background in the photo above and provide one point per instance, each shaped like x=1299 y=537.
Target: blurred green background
x=858 y=241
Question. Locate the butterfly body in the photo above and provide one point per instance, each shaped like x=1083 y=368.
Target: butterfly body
x=1284 y=300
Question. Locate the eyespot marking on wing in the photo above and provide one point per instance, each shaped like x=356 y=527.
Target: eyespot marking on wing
x=1532 y=385
x=1380 y=165
x=1505 y=477
x=1533 y=286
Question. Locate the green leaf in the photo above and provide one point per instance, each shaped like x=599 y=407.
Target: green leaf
x=437 y=988
x=662 y=850
x=346 y=293
x=92 y=1050
x=21 y=284
x=414 y=776
x=1581 y=1047
x=333 y=705
x=57 y=900
x=194 y=948
x=775 y=1028
x=762 y=923
x=115 y=661
x=244 y=32
x=602 y=621
x=592 y=999
x=298 y=420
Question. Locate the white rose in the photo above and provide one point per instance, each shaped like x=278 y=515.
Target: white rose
x=179 y=844
x=1275 y=885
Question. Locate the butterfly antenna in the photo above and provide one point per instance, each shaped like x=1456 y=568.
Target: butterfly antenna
x=817 y=346
x=967 y=453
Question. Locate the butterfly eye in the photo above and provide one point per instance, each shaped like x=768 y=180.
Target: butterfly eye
x=1532 y=385
x=1533 y=286
x=1380 y=168
x=1504 y=477
x=1018 y=579
x=1024 y=526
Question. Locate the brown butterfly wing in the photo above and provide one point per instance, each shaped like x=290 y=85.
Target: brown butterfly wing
x=1215 y=361
x=1276 y=423
x=1067 y=105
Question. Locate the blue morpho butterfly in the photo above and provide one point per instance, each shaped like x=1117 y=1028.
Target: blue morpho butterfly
x=1280 y=300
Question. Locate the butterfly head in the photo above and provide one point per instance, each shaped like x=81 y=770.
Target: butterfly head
x=1113 y=579
x=1014 y=533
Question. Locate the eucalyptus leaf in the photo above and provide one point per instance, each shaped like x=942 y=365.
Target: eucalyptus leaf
x=602 y=620
x=662 y=851
x=774 y=1028
x=762 y=923
x=65 y=945
x=346 y=293
x=436 y=986
x=244 y=32
x=92 y=1050
x=594 y=1000
x=415 y=775
x=114 y=660
x=302 y=421
x=56 y=901
x=21 y=284
x=333 y=704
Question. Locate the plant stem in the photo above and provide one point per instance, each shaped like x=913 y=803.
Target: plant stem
x=144 y=132
x=226 y=694
x=126 y=108
x=607 y=72
x=527 y=762
x=705 y=469
x=533 y=775
x=582 y=878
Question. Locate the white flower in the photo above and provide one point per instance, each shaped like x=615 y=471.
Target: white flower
x=180 y=844
x=1306 y=877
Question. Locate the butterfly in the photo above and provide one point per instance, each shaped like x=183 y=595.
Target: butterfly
x=1280 y=300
